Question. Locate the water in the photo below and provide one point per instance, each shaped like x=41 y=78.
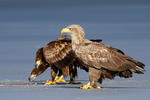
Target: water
x=27 y=25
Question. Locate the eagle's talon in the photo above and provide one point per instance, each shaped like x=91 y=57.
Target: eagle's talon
x=96 y=87
x=86 y=86
x=56 y=78
x=50 y=83
x=60 y=79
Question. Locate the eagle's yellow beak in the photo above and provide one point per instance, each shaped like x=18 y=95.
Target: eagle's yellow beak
x=65 y=30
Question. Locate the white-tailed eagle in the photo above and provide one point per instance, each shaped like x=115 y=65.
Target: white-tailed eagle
x=102 y=60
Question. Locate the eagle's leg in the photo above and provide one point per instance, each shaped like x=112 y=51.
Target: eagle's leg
x=56 y=78
x=94 y=76
x=72 y=79
x=73 y=73
x=60 y=77
x=53 y=76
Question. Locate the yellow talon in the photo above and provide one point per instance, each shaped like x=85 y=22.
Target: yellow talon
x=96 y=87
x=50 y=83
x=60 y=79
x=88 y=86
x=56 y=78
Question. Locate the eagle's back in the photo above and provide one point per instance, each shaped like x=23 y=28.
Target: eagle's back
x=57 y=50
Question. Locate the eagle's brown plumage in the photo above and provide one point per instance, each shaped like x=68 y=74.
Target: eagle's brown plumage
x=57 y=55
x=102 y=60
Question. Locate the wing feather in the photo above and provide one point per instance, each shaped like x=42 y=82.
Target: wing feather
x=57 y=50
x=103 y=56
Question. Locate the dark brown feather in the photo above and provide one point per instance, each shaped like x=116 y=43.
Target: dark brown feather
x=59 y=53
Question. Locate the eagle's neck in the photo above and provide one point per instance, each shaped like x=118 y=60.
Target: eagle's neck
x=76 y=40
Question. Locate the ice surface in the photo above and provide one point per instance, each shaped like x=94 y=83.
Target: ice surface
x=23 y=29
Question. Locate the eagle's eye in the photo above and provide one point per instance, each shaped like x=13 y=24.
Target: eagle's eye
x=70 y=29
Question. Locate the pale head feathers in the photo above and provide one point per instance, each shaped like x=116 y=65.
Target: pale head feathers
x=76 y=32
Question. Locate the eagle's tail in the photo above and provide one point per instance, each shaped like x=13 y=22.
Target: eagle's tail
x=139 y=66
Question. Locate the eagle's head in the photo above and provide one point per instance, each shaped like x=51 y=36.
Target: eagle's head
x=39 y=68
x=73 y=30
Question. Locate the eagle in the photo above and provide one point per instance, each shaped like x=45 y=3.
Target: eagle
x=41 y=66
x=57 y=55
x=102 y=61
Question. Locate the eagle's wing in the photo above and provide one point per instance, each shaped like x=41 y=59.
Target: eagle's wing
x=57 y=50
x=100 y=56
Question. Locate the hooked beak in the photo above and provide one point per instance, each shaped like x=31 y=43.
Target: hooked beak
x=65 y=30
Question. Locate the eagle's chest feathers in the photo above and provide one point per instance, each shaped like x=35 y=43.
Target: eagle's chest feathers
x=80 y=52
